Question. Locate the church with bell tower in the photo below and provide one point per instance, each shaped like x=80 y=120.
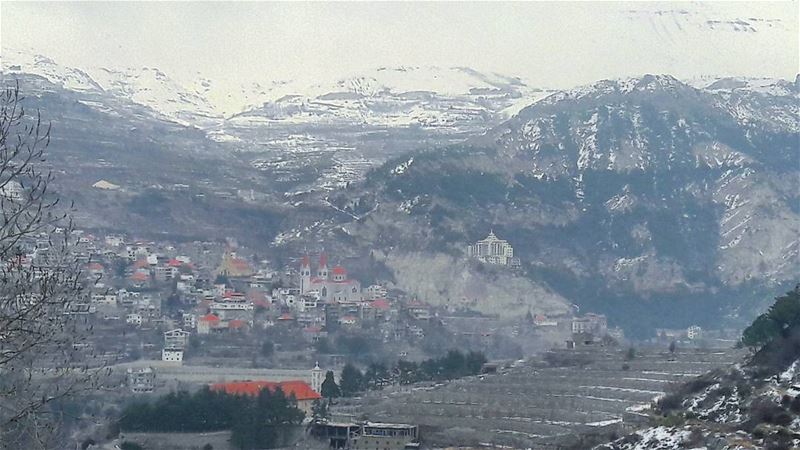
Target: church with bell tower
x=332 y=286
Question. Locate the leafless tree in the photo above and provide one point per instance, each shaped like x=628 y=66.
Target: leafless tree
x=42 y=361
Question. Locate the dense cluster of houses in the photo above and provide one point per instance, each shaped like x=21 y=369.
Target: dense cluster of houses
x=219 y=291
x=222 y=292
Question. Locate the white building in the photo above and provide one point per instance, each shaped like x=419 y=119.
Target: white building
x=333 y=287
x=493 y=250
x=189 y=321
x=317 y=377
x=141 y=380
x=172 y=355
x=308 y=301
x=376 y=291
x=176 y=339
x=596 y=324
x=233 y=308
x=104 y=299
x=694 y=332
x=114 y=241
x=134 y=319
x=164 y=273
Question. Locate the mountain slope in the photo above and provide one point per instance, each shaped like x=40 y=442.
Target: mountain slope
x=172 y=179
x=753 y=404
x=618 y=196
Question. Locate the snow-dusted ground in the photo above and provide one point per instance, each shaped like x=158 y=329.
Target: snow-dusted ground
x=526 y=405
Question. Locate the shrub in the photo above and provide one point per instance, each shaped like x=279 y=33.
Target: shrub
x=765 y=411
x=725 y=391
x=795 y=405
x=695 y=439
x=697 y=385
x=744 y=389
x=672 y=420
x=127 y=445
x=670 y=402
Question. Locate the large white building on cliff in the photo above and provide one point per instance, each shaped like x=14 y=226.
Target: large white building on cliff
x=493 y=250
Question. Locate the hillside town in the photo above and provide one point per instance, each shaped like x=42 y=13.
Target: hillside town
x=186 y=303
x=172 y=316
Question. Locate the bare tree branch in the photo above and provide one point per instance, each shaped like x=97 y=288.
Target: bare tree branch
x=41 y=288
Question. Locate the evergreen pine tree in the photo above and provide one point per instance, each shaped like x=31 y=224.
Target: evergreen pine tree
x=352 y=380
x=329 y=387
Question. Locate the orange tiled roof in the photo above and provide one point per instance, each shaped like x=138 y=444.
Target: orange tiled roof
x=300 y=389
x=235 y=324
x=380 y=303
x=210 y=318
x=139 y=276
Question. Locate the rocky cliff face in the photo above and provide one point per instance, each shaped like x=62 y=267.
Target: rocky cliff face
x=621 y=193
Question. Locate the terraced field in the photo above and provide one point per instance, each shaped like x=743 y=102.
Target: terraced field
x=531 y=405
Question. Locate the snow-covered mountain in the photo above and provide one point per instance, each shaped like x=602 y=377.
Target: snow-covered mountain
x=153 y=88
x=448 y=99
x=645 y=187
x=146 y=87
x=733 y=144
x=13 y=61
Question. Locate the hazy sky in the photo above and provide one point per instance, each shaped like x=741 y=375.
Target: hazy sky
x=554 y=44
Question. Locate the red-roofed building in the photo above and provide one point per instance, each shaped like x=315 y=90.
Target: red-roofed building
x=233 y=266
x=258 y=298
x=313 y=333
x=378 y=309
x=207 y=323
x=140 y=278
x=381 y=304
x=95 y=269
x=349 y=321
x=174 y=263
x=237 y=325
x=335 y=289
x=301 y=390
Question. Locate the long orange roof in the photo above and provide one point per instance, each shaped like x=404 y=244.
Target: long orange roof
x=300 y=389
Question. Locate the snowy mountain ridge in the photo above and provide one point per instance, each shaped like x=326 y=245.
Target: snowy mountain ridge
x=204 y=103
x=425 y=96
